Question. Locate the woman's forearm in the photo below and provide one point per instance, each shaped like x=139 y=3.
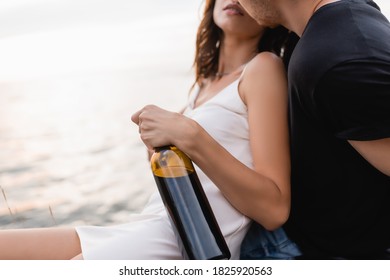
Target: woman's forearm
x=252 y=193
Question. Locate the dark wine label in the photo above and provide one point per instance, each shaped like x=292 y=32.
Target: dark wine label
x=192 y=217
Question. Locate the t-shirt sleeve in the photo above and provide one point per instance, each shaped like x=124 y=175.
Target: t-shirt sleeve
x=354 y=99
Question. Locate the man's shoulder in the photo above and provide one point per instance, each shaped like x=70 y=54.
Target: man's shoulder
x=340 y=32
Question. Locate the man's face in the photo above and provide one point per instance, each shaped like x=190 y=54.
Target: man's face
x=263 y=11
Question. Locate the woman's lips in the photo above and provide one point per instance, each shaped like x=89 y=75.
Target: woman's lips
x=233 y=9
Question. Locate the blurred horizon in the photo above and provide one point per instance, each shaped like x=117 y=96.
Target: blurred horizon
x=71 y=74
x=44 y=38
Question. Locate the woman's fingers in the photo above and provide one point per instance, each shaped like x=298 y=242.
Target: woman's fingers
x=135 y=117
x=150 y=121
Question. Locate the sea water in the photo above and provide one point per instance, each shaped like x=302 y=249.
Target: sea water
x=71 y=74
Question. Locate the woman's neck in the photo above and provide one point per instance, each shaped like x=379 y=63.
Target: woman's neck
x=234 y=53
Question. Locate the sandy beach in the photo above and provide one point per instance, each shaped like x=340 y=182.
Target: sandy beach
x=71 y=74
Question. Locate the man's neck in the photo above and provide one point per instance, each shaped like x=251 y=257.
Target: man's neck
x=297 y=13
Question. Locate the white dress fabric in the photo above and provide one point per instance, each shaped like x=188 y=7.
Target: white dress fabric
x=149 y=235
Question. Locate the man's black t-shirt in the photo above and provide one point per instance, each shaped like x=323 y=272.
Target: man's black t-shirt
x=339 y=82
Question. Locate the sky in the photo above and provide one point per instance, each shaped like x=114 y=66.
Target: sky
x=42 y=38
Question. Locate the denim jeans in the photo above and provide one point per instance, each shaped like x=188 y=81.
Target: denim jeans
x=261 y=244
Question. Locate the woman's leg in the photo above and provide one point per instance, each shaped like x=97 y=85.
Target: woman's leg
x=39 y=244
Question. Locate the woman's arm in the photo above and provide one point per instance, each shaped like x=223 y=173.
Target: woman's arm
x=262 y=194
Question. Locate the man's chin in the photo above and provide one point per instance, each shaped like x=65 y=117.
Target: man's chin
x=269 y=24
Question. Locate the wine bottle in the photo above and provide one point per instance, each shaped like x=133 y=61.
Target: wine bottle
x=192 y=218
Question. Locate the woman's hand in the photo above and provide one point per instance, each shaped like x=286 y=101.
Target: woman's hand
x=159 y=127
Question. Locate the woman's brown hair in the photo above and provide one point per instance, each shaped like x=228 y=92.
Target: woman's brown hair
x=277 y=40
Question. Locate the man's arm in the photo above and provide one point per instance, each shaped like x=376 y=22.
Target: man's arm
x=376 y=152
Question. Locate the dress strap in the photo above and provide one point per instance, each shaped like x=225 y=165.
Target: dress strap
x=194 y=94
x=243 y=70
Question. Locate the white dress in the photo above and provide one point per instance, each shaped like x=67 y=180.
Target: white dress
x=149 y=235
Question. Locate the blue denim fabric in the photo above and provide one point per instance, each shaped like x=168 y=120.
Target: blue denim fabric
x=261 y=244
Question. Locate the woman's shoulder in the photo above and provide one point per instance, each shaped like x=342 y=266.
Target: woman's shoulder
x=264 y=65
x=265 y=61
x=265 y=73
